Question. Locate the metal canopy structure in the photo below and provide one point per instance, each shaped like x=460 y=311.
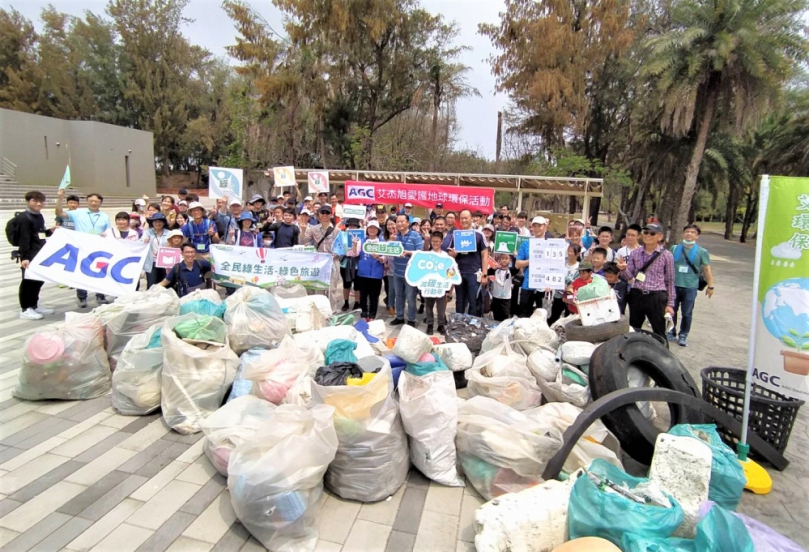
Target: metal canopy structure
x=512 y=183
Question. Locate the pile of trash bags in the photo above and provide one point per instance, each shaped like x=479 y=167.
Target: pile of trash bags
x=203 y=301
x=502 y=374
x=67 y=362
x=137 y=381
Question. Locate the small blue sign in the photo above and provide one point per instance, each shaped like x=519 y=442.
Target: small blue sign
x=465 y=241
x=359 y=234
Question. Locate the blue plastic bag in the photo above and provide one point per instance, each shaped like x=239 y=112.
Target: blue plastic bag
x=241 y=386
x=727 y=474
x=718 y=531
x=340 y=350
x=422 y=368
x=155 y=341
x=596 y=513
x=203 y=306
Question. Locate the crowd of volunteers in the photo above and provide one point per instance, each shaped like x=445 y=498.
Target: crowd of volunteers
x=656 y=283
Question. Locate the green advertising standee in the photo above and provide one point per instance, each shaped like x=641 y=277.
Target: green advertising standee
x=505 y=242
x=781 y=321
x=387 y=249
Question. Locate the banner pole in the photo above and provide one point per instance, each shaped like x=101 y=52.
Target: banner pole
x=764 y=195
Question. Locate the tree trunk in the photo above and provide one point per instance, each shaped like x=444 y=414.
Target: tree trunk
x=595 y=207
x=681 y=216
x=730 y=211
x=749 y=214
x=434 y=133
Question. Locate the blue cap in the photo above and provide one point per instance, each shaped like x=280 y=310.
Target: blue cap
x=246 y=215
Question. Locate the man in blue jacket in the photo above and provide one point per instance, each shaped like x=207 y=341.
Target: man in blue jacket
x=411 y=241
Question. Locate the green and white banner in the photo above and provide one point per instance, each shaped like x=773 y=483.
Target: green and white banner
x=235 y=266
x=781 y=361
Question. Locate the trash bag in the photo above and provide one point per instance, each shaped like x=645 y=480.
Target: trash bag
x=503 y=331
x=134 y=314
x=195 y=376
x=594 y=512
x=543 y=364
x=201 y=329
x=766 y=539
x=718 y=531
x=305 y=313
x=532 y=333
x=136 y=382
x=430 y=416
x=254 y=319
x=597 y=441
x=241 y=386
x=340 y=350
x=276 y=478
x=594 y=290
x=232 y=425
x=427 y=364
x=411 y=344
x=337 y=373
x=276 y=370
x=456 y=356
x=503 y=375
x=372 y=460
x=203 y=301
x=567 y=387
x=727 y=474
x=324 y=336
x=501 y=450
x=467 y=329
x=577 y=353
x=294 y=291
x=67 y=362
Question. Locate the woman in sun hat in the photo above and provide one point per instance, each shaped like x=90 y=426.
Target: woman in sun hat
x=156 y=236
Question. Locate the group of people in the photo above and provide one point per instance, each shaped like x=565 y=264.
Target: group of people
x=653 y=281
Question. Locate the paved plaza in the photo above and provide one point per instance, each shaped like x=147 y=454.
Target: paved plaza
x=77 y=476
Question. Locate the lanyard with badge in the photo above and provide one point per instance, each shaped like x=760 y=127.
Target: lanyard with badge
x=93 y=221
x=201 y=246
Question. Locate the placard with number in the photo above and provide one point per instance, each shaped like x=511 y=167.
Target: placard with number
x=546 y=263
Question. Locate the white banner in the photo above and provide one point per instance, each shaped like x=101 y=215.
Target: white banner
x=284 y=176
x=546 y=263
x=225 y=182
x=318 y=181
x=235 y=266
x=85 y=261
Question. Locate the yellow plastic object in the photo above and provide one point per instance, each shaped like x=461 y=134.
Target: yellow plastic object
x=356 y=382
x=758 y=480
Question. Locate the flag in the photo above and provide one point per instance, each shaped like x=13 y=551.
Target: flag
x=65 y=179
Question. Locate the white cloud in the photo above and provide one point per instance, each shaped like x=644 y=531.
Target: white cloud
x=785 y=251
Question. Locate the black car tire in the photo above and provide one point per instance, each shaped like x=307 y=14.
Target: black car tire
x=608 y=373
x=574 y=331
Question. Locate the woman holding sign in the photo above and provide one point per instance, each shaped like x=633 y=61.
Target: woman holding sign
x=370 y=272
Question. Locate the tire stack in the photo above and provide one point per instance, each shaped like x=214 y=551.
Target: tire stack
x=608 y=372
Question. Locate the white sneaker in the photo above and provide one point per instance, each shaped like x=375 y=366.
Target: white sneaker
x=45 y=311
x=30 y=314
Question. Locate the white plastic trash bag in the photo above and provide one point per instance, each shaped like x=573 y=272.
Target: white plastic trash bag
x=372 y=460
x=232 y=425
x=533 y=333
x=565 y=389
x=326 y=335
x=501 y=449
x=430 y=417
x=577 y=353
x=254 y=319
x=456 y=356
x=136 y=382
x=306 y=313
x=276 y=478
x=196 y=376
x=67 y=362
x=503 y=331
x=597 y=441
x=275 y=371
x=543 y=364
x=411 y=344
x=502 y=374
x=134 y=314
x=202 y=301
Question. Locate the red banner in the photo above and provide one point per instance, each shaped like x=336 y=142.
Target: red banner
x=454 y=198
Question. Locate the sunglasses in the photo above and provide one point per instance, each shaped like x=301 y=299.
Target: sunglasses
x=649 y=233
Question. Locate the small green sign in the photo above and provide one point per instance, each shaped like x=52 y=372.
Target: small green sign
x=520 y=240
x=505 y=242
x=389 y=249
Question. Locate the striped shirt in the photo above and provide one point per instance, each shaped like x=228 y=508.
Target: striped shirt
x=659 y=274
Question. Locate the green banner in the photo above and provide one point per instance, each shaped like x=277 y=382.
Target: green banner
x=389 y=249
x=782 y=331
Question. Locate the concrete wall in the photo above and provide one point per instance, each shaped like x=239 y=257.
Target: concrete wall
x=98 y=154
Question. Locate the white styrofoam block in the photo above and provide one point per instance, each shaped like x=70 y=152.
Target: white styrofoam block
x=456 y=356
x=682 y=468
x=533 y=520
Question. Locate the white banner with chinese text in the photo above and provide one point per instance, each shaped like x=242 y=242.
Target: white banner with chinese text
x=237 y=266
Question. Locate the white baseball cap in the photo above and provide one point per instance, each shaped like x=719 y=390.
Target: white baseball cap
x=539 y=220
x=235 y=201
x=408 y=204
x=175 y=233
x=308 y=198
x=373 y=223
x=140 y=202
x=196 y=205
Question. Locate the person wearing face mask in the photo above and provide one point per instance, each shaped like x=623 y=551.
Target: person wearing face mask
x=692 y=263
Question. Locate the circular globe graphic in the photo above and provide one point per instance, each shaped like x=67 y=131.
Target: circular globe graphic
x=221 y=174
x=786 y=311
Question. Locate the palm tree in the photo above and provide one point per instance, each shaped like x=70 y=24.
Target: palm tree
x=731 y=53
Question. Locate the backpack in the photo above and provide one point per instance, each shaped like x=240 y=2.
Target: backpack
x=13 y=229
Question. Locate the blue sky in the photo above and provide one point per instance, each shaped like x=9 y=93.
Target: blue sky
x=213 y=30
